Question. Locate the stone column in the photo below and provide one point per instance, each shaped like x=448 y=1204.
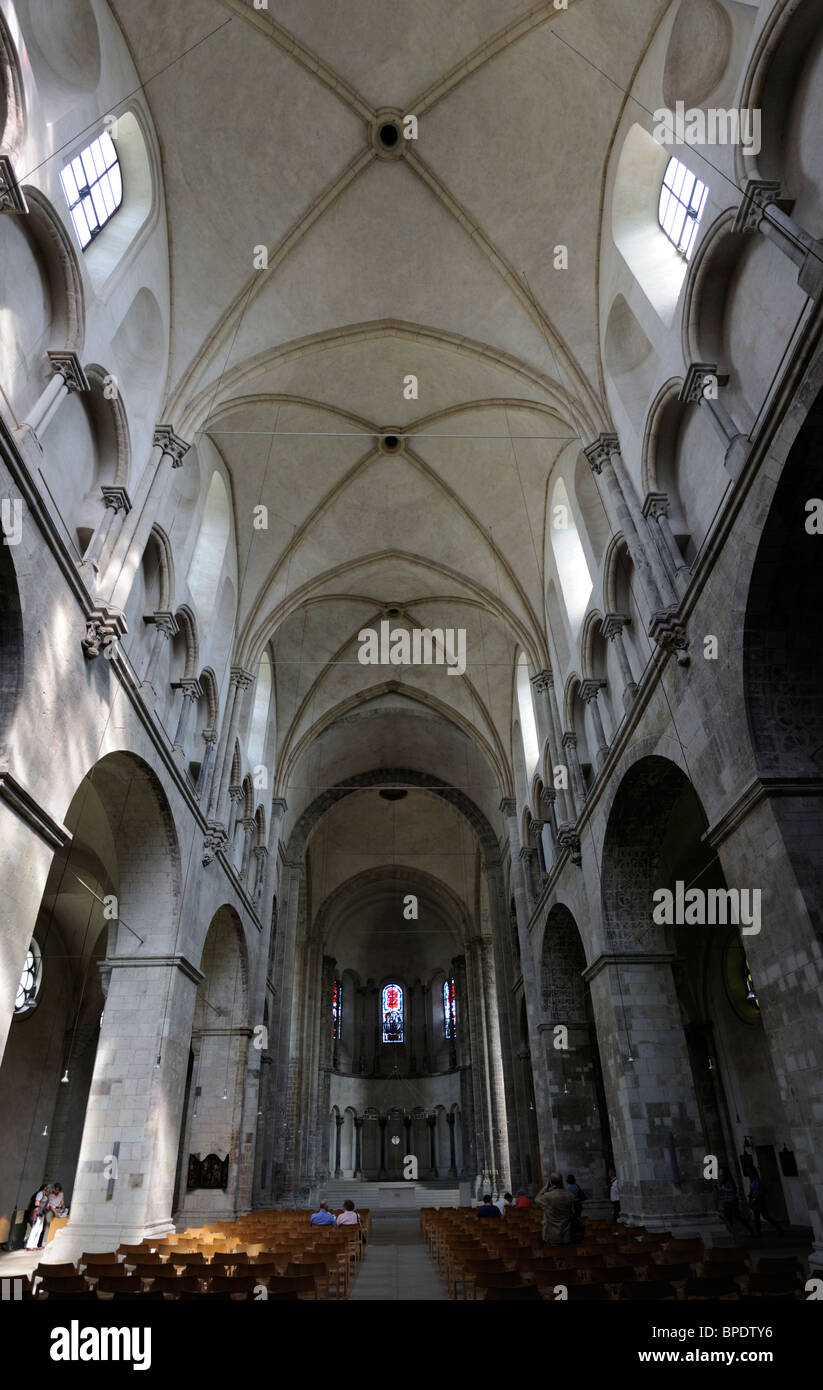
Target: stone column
x=658 y=1141
x=128 y=550
x=760 y=211
x=570 y=745
x=431 y=1121
x=249 y=830
x=452 y=1150
x=700 y=388
x=382 y=1120
x=411 y=1030
x=358 y=1146
x=544 y=685
x=136 y=1100
x=192 y=692
x=210 y=740
x=656 y=512
x=236 y=798
x=362 y=995
x=11 y=194
x=528 y=857
x=548 y=796
x=115 y=501
x=165 y=626
x=588 y=693
x=240 y=681
x=338 y=1122
x=425 y=991
x=612 y=628
x=68 y=377
x=261 y=856
x=664 y=628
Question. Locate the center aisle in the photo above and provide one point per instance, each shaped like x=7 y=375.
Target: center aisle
x=397 y=1265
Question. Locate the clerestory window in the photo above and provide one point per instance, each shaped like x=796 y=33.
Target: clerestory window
x=93 y=185
x=682 y=201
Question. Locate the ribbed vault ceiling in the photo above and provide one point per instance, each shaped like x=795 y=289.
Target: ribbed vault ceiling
x=437 y=263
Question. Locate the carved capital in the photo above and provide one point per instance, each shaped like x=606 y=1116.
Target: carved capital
x=69 y=367
x=508 y=806
x=655 y=504
x=241 y=678
x=214 y=840
x=692 y=392
x=548 y=796
x=236 y=793
x=544 y=680
x=191 y=688
x=569 y=739
x=757 y=195
x=116 y=498
x=600 y=451
x=170 y=444
x=11 y=196
x=589 y=689
x=279 y=807
x=103 y=625
x=164 y=622
x=667 y=630
x=613 y=624
x=570 y=840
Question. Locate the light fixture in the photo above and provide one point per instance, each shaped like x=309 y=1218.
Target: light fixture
x=64 y=1079
x=45 y=1131
x=710 y=1065
x=225 y=1093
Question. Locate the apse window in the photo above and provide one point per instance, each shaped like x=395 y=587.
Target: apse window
x=392 y=1014
x=449 y=1009
x=682 y=201
x=336 y=1008
x=93 y=185
x=29 y=986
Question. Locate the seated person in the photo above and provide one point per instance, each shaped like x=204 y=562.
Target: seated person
x=348 y=1216
x=522 y=1200
x=487 y=1208
x=322 y=1217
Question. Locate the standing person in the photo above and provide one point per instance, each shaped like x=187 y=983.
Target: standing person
x=56 y=1207
x=730 y=1204
x=37 y=1216
x=487 y=1207
x=348 y=1216
x=322 y=1217
x=757 y=1202
x=614 y=1195
x=557 y=1205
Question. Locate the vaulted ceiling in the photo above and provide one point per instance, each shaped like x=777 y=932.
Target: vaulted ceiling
x=434 y=258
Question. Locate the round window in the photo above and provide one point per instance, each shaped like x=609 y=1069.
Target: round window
x=29 y=986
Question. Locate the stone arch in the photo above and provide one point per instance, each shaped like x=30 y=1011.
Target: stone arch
x=12 y=643
x=188 y=629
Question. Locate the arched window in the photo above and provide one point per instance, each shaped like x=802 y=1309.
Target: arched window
x=29 y=986
x=260 y=712
x=392 y=1014
x=575 y=580
x=449 y=1009
x=528 y=728
x=93 y=185
x=682 y=200
x=210 y=549
x=336 y=1009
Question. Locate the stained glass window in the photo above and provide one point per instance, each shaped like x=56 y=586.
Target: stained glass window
x=392 y=1014
x=449 y=1010
x=682 y=201
x=93 y=186
x=29 y=986
x=336 y=1009
x=751 y=992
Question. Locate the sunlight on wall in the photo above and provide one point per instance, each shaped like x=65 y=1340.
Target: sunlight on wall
x=575 y=580
x=531 y=746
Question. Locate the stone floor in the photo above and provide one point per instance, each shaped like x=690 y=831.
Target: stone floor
x=396 y=1266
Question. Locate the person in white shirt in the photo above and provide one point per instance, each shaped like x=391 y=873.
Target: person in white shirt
x=614 y=1196
x=348 y=1216
x=503 y=1202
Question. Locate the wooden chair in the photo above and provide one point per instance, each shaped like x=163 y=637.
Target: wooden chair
x=650 y=1289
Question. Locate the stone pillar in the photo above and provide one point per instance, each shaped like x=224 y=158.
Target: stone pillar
x=570 y=745
x=249 y=831
x=528 y=857
x=425 y=991
x=382 y=1120
x=210 y=740
x=358 y=1146
x=338 y=1122
x=664 y=628
x=588 y=693
x=411 y=1028
x=11 y=194
x=760 y=211
x=612 y=628
x=362 y=995
x=192 y=692
x=656 y=512
x=431 y=1121
x=127 y=552
x=115 y=500
x=240 y=681
x=544 y=685
x=452 y=1150
x=165 y=626
x=658 y=1141
x=261 y=857
x=136 y=1100
x=68 y=377
x=703 y=378
x=548 y=797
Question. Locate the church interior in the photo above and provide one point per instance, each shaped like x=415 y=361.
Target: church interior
x=411 y=759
